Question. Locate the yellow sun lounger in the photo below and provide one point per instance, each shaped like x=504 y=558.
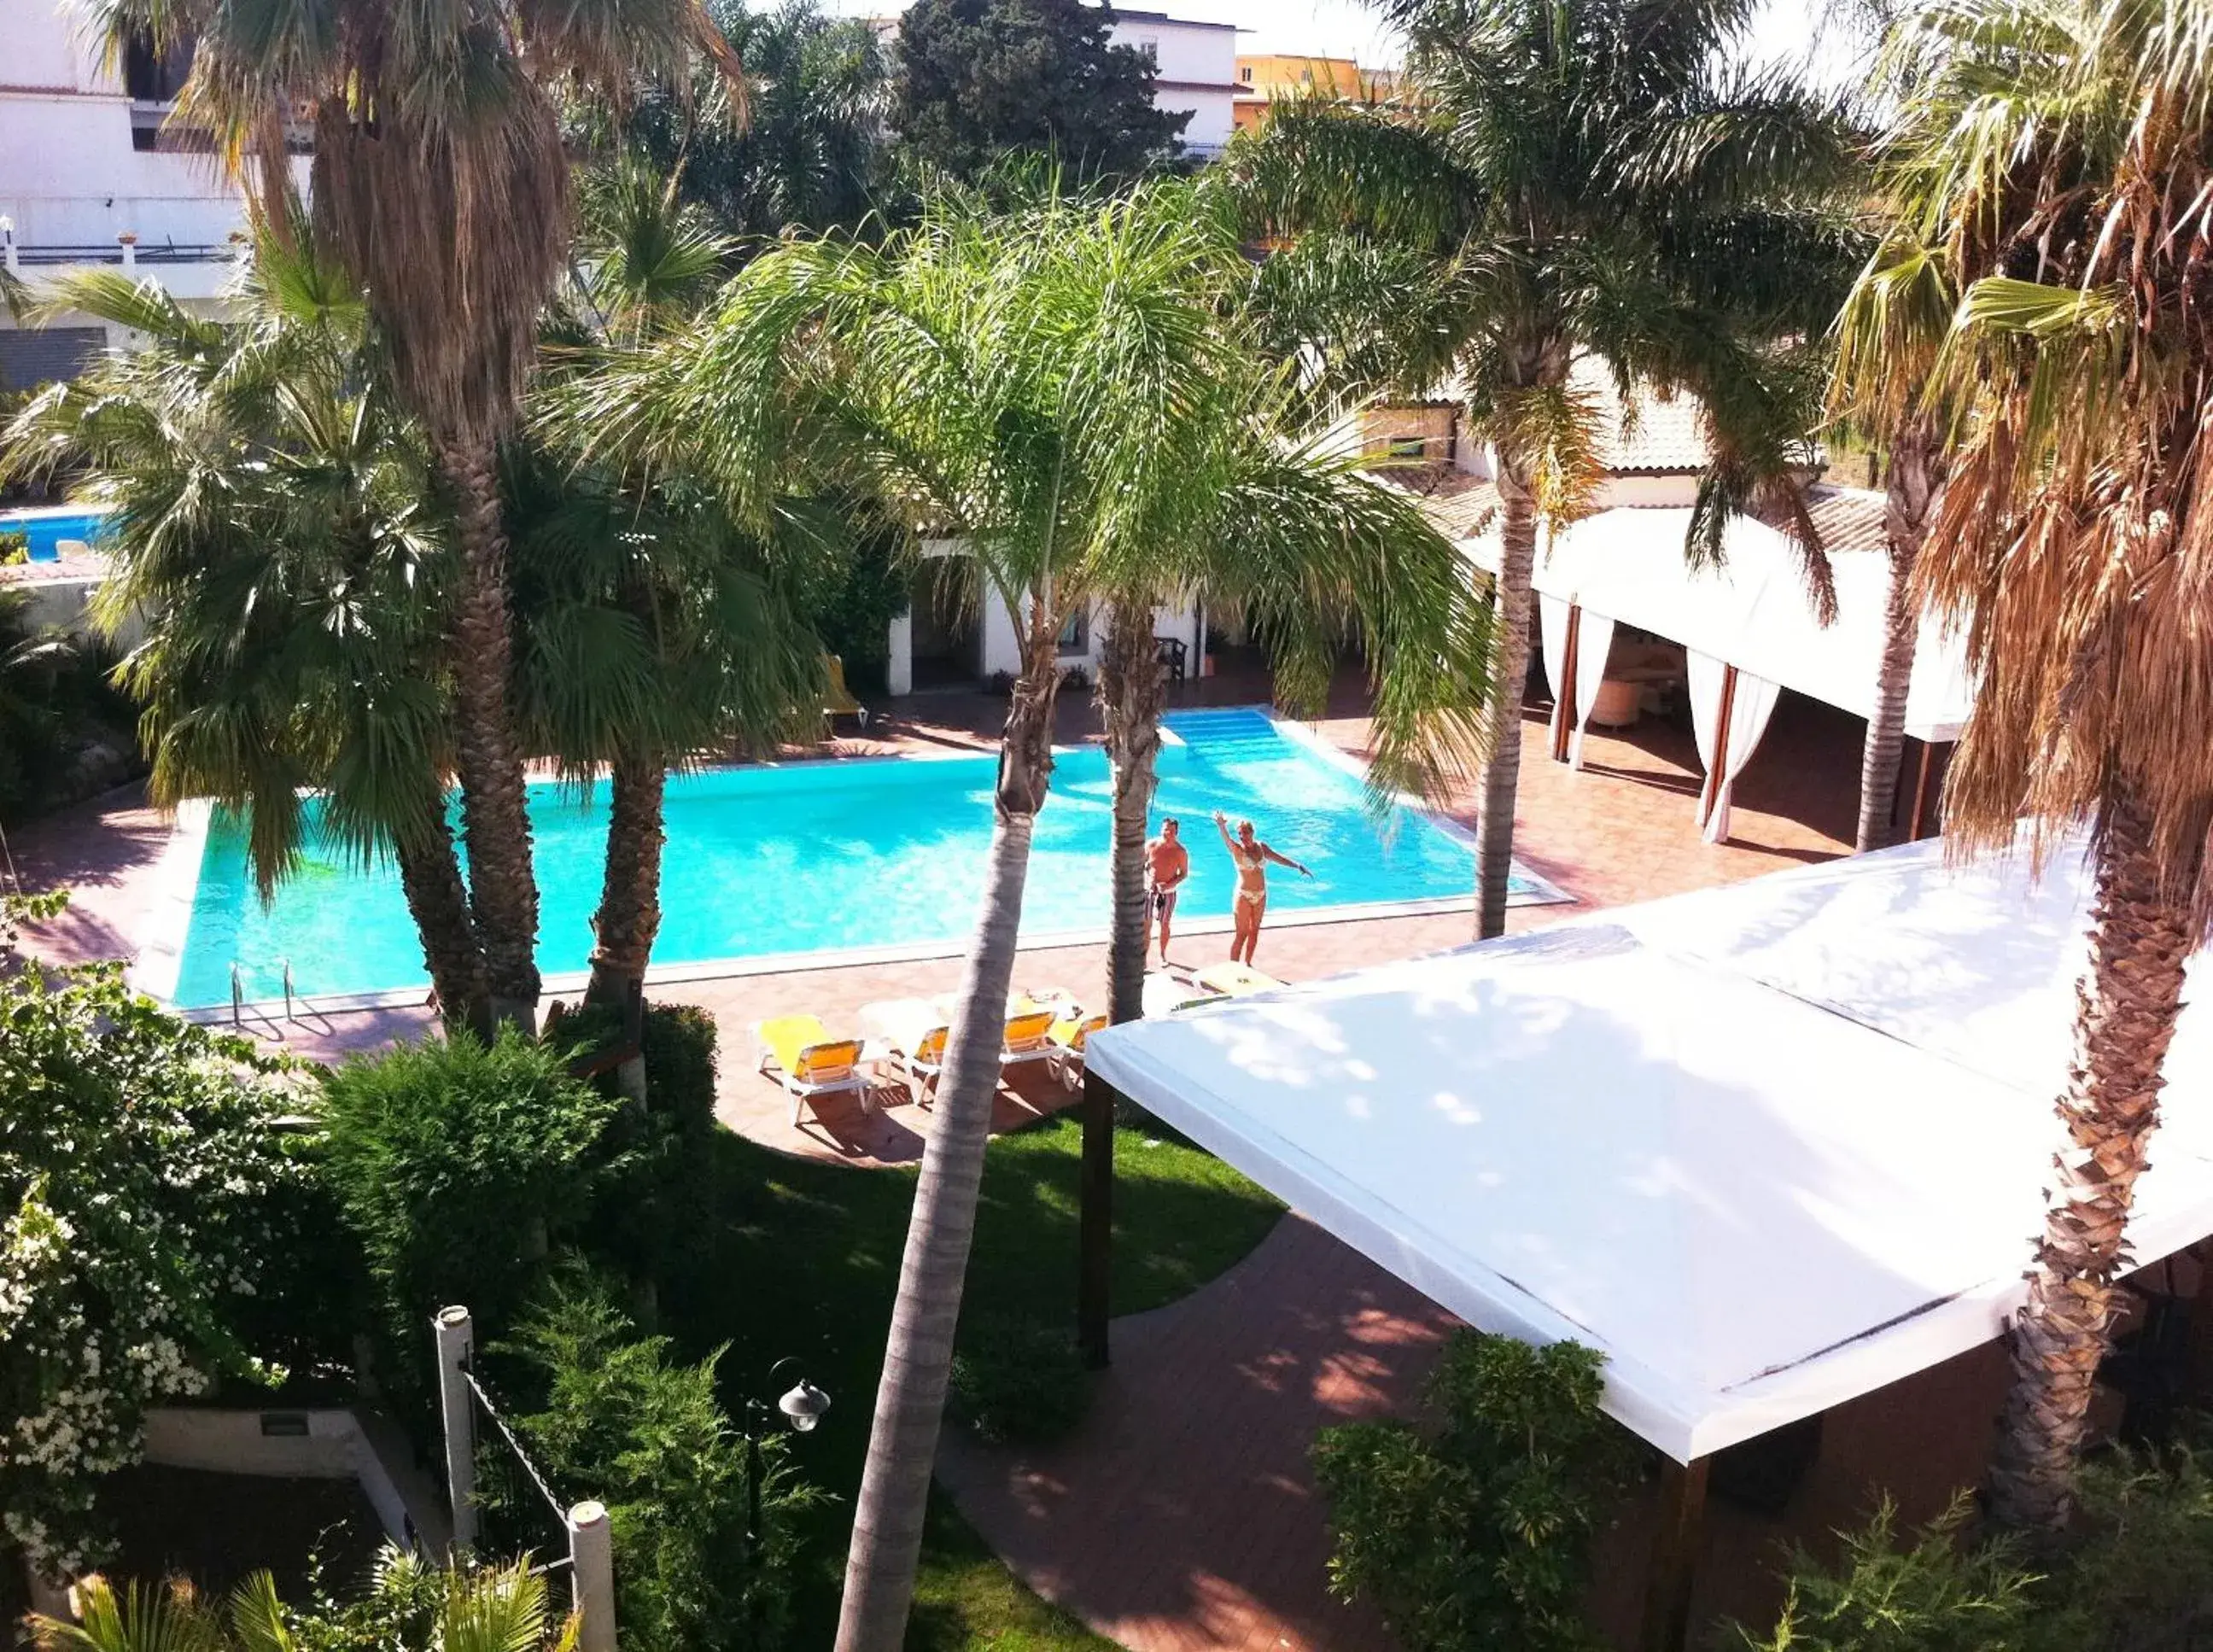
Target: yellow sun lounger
x=1234 y=980
x=1068 y=1035
x=913 y=1033
x=1029 y=1037
x=838 y=701
x=799 y=1053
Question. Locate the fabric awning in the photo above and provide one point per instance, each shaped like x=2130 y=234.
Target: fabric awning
x=1767 y=1148
x=1751 y=611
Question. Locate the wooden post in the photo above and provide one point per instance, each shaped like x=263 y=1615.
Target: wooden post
x=592 y=1577
x=1920 y=795
x=1677 y=1537
x=455 y=1336
x=1711 y=793
x=1564 y=692
x=1095 y=1227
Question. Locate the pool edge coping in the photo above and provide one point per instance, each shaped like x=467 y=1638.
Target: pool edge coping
x=159 y=964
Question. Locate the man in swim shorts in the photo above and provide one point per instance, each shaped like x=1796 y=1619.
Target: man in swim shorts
x=1252 y=857
x=1168 y=864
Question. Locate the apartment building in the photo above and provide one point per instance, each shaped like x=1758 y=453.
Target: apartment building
x=1195 y=72
x=1263 y=77
x=91 y=176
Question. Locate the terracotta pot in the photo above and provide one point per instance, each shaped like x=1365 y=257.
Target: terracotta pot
x=1618 y=703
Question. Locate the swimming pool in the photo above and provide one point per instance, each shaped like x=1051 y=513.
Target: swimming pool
x=879 y=854
x=46 y=529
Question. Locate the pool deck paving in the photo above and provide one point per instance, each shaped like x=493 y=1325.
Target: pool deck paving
x=1182 y=1514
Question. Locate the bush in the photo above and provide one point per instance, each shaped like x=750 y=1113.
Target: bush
x=457 y=1165
x=679 y=1042
x=1017 y=1379
x=1937 y=1595
x=142 y=1212
x=2140 y=1576
x=648 y=1438
x=1476 y=1534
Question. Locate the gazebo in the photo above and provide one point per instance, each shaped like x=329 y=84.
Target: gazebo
x=1766 y=1147
x=1747 y=627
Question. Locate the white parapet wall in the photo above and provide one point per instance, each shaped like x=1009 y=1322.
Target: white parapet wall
x=315 y=1443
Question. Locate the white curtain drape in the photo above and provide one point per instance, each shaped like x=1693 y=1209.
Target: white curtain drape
x=1552 y=629
x=1593 y=643
x=1752 y=705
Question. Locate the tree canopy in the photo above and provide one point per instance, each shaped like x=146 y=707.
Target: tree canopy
x=979 y=79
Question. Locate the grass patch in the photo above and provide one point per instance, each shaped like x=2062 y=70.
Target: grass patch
x=788 y=1257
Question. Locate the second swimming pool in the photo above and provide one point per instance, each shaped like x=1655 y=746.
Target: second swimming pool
x=837 y=856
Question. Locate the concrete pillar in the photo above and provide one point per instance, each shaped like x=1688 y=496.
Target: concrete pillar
x=129 y=242
x=456 y=1337
x=899 y=665
x=592 y=1573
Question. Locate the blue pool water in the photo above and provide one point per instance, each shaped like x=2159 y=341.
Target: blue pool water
x=46 y=529
x=827 y=855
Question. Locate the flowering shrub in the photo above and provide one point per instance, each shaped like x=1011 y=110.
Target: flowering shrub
x=139 y=1176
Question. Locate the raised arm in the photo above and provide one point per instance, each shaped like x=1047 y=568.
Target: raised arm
x=1222 y=826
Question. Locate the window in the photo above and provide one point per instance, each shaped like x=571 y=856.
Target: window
x=152 y=78
x=1410 y=446
x=1075 y=635
x=1246 y=75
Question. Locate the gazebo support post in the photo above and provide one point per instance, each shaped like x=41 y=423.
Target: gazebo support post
x=1921 y=794
x=1710 y=795
x=1095 y=1222
x=1677 y=1537
x=1564 y=692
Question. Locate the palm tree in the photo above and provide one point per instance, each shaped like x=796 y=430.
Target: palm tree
x=408 y=1607
x=652 y=627
x=1887 y=337
x=439 y=173
x=2056 y=153
x=1310 y=547
x=269 y=530
x=1562 y=180
x=1049 y=385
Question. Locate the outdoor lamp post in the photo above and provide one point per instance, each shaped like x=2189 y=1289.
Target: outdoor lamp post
x=802 y=1406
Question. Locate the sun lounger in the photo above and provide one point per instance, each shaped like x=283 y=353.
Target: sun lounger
x=1234 y=980
x=799 y=1053
x=1068 y=1035
x=912 y=1031
x=1029 y=1037
x=1166 y=992
x=838 y=701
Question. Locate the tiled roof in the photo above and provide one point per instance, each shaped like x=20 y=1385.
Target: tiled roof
x=1849 y=519
x=1664 y=435
x=1459 y=506
x=90 y=565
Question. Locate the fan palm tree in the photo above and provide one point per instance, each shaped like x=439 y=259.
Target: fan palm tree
x=409 y=1608
x=1562 y=180
x=2056 y=152
x=439 y=172
x=1886 y=338
x=269 y=530
x=653 y=627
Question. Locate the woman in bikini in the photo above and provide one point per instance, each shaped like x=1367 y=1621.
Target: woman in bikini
x=1252 y=857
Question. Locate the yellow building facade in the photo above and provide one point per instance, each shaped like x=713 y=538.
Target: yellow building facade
x=1262 y=79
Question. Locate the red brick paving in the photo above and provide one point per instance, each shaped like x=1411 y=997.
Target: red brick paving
x=1182 y=1514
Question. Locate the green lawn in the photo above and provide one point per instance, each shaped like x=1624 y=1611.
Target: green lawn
x=797 y=1257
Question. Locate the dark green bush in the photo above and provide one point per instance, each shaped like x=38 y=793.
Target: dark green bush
x=1476 y=1534
x=1017 y=1378
x=680 y=1045
x=620 y=1422
x=456 y=1166
x=1934 y=1593
x=2135 y=1574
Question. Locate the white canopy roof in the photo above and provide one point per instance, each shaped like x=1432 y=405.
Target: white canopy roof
x=1752 y=612
x=1767 y=1147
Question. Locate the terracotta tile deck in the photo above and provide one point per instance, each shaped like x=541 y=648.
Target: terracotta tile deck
x=1182 y=1514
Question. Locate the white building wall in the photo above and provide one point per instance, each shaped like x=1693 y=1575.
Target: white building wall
x=1197 y=72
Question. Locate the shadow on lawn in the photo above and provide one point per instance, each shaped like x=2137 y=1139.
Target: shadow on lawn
x=789 y=1257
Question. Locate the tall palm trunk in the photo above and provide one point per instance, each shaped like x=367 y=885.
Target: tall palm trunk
x=495 y=816
x=1909 y=502
x=630 y=891
x=880 y=1567
x=1502 y=713
x=1130 y=701
x=430 y=878
x=2125 y=1011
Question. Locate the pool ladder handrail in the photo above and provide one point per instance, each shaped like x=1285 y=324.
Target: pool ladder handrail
x=238 y=991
